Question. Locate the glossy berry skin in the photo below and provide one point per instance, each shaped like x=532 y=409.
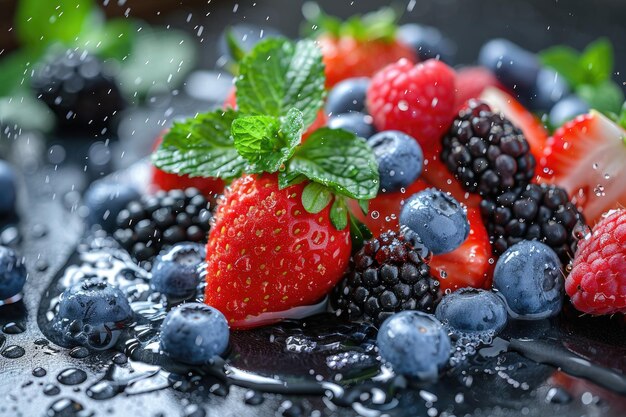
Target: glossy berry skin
x=597 y=282
x=567 y=109
x=400 y=159
x=516 y=68
x=358 y=123
x=415 y=99
x=437 y=218
x=529 y=278
x=105 y=199
x=427 y=42
x=176 y=271
x=8 y=196
x=347 y=96
x=550 y=88
x=346 y=57
x=471 y=310
x=94 y=302
x=194 y=333
x=415 y=344
x=12 y=273
x=267 y=254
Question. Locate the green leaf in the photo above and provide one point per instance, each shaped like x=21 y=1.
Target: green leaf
x=111 y=39
x=25 y=111
x=565 y=61
x=605 y=97
x=315 y=197
x=364 y=206
x=201 y=146
x=41 y=22
x=236 y=51
x=267 y=142
x=597 y=61
x=621 y=120
x=159 y=59
x=339 y=160
x=359 y=233
x=15 y=70
x=339 y=214
x=278 y=75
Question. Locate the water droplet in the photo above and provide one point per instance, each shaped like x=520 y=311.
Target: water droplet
x=598 y=190
x=72 y=376
x=120 y=359
x=13 y=352
x=375 y=214
x=51 y=389
x=403 y=105
x=65 y=407
x=79 y=352
x=558 y=395
x=13 y=328
x=39 y=372
x=253 y=397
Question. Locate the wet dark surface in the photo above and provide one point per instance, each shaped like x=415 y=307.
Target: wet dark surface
x=39 y=377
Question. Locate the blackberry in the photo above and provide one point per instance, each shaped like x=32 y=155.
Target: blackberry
x=163 y=219
x=389 y=274
x=486 y=152
x=540 y=212
x=79 y=90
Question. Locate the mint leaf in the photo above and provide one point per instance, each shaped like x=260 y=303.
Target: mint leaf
x=364 y=206
x=565 y=61
x=359 y=233
x=111 y=39
x=339 y=160
x=201 y=147
x=41 y=22
x=597 y=61
x=605 y=97
x=315 y=197
x=15 y=69
x=339 y=214
x=278 y=75
x=235 y=49
x=267 y=142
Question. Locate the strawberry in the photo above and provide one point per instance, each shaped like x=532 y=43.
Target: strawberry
x=166 y=181
x=471 y=82
x=360 y=46
x=438 y=175
x=415 y=99
x=534 y=131
x=587 y=157
x=471 y=264
x=266 y=253
x=597 y=282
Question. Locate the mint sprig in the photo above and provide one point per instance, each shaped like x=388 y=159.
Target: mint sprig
x=278 y=75
x=588 y=73
x=201 y=147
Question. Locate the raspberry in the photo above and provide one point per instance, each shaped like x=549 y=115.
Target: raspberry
x=597 y=283
x=417 y=99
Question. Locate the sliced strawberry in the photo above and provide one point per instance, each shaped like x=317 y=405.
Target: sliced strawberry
x=267 y=254
x=438 y=175
x=471 y=264
x=534 y=131
x=471 y=82
x=587 y=157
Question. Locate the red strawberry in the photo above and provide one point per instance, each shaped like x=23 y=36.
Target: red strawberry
x=534 y=131
x=597 y=282
x=415 y=99
x=471 y=82
x=471 y=264
x=266 y=254
x=438 y=175
x=587 y=157
x=347 y=57
x=166 y=181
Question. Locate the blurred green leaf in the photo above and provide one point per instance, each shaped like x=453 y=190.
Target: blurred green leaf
x=14 y=70
x=565 y=61
x=597 y=61
x=111 y=39
x=159 y=58
x=24 y=110
x=39 y=22
x=606 y=97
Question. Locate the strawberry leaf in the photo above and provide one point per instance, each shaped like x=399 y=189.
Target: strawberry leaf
x=315 y=197
x=267 y=142
x=201 y=146
x=278 y=75
x=339 y=160
x=339 y=214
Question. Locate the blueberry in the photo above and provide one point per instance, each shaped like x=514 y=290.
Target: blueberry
x=437 y=218
x=347 y=96
x=567 y=109
x=194 y=333
x=358 y=123
x=428 y=42
x=513 y=66
x=550 y=87
x=12 y=273
x=8 y=193
x=176 y=271
x=105 y=199
x=414 y=344
x=529 y=278
x=400 y=159
x=471 y=310
x=246 y=36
